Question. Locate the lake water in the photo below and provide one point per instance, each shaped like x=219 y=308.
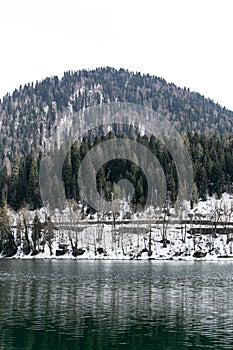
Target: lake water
x=115 y=305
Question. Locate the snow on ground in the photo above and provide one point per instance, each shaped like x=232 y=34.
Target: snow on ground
x=138 y=236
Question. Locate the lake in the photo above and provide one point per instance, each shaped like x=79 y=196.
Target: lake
x=69 y=304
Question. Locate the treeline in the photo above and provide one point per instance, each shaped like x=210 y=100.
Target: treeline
x=212 y=157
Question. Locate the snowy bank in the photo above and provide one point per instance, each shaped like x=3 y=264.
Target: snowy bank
x=203 y=233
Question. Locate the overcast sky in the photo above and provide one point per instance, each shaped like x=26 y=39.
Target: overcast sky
x=188 y=42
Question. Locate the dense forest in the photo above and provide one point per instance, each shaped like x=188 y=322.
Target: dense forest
x=212 y=157
x=32 y=113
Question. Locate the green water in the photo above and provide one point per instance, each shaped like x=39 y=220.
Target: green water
x=115 y=305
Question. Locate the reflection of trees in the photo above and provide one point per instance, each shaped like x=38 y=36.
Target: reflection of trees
x=88 y=304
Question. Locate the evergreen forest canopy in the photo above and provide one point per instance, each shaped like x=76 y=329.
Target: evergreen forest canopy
x=212 y=164
x=30 y=115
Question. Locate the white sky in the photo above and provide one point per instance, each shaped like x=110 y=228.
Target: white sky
x=188 y=42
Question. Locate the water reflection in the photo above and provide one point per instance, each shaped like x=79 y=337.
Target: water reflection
x=115 y=305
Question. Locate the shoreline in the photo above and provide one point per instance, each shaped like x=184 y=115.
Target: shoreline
x=189 y=237
x=208 y=258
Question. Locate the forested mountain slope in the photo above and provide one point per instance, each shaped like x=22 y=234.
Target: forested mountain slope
x=32 y=113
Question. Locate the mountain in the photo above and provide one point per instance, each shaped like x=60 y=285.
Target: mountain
x=32 y=113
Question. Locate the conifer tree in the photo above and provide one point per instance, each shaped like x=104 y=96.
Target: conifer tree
x=36 y=233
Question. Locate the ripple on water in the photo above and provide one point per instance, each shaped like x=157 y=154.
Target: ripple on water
x=117 y=305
